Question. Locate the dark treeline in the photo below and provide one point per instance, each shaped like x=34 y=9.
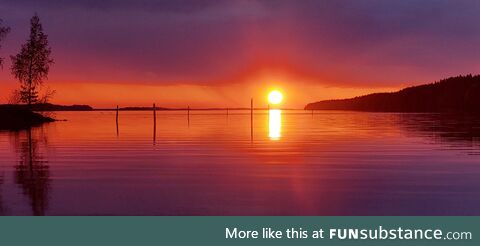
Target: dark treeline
x=455 y=94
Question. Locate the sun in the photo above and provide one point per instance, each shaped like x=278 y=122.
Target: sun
x=275 y=97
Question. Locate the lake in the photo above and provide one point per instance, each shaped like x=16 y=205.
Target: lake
x=295 y=163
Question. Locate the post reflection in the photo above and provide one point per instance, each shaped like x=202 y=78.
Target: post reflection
x=274 y=124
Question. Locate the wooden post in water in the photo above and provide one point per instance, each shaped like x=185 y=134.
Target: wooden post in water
x=116 y=120
x=251 y=119
x=188 y=115
x=268 y=112
x=154 y=123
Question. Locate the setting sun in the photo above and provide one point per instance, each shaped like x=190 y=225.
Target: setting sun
x=275 y=97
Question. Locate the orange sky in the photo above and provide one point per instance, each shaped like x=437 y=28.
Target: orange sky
x=106 y=95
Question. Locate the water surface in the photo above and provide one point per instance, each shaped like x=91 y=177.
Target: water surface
x=328 y=163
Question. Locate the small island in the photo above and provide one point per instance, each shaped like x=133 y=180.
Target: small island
x=21 y=116
x=459 y=94
x=17 y=119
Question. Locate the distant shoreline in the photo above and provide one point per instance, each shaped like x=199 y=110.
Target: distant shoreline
x=55 y=107
x=459 y=94
x=183 y=109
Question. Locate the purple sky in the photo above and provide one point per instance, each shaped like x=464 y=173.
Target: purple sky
x=336 y=43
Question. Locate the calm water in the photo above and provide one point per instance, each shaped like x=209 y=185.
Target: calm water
x=331 y=163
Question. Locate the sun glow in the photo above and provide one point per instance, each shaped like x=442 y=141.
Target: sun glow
x=275 y=97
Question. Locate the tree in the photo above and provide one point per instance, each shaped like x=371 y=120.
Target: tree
x=32 y=64
x=47 y=95
x=15 y=97
x=3 y=32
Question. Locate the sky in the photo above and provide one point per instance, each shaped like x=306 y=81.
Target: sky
x=214 y=53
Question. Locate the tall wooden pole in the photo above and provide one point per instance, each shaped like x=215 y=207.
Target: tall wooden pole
x=116 y=120
x=268 y=112
x=154 y=123
x=188 y=115
x=251 y=119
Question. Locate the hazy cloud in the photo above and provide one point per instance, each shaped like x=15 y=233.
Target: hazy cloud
x=207 y=42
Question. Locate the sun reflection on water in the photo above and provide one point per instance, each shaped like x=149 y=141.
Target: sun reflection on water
x=274 y=124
